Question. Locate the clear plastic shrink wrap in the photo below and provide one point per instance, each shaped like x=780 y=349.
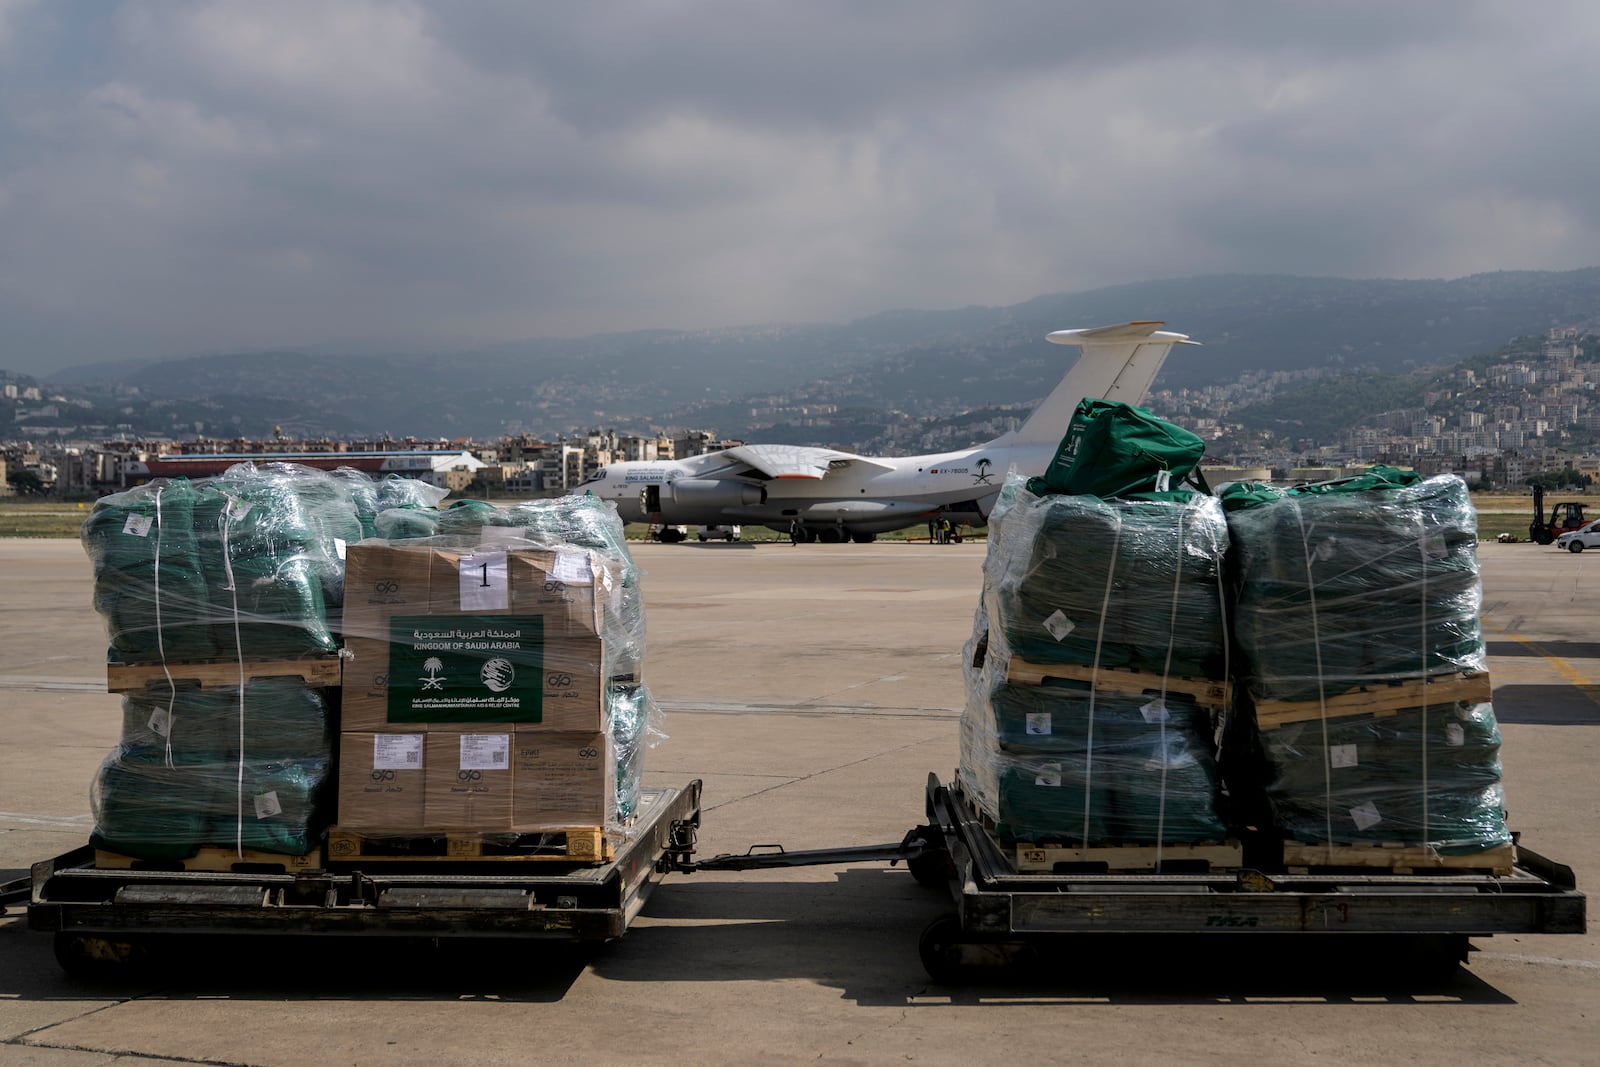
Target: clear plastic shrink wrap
x=244 y=568
x=525 y=622
x=1353 y=582
x=230 y=767
x=1370 y=581
x=1093 y=585
x=149 y=586
x=240 y=566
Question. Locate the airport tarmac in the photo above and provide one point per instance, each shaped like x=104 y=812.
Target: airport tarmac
x=812 y=689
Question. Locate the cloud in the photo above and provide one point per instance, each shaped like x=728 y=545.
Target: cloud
x=201 y=175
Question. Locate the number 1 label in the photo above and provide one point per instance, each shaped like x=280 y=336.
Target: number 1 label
x=484 y=586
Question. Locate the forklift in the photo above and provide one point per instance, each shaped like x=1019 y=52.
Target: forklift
x=1564 y=517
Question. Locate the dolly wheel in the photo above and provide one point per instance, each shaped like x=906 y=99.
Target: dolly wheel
x=933 y=868
x=90 y=956
x=940 y=948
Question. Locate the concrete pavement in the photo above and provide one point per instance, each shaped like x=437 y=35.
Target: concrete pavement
x=812 y=688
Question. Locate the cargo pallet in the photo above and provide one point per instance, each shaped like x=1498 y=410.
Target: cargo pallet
x=567 y=844
x=104 y=917
x=1001 y=914
x=1379 y=699
x=210 y=859
x=315 y=672
x=1212 y=693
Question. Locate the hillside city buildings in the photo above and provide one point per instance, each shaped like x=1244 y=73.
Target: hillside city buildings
x=1497 y=427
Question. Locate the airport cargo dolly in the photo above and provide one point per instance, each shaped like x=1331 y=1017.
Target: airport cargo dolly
x=1003 y=914
x=104 y=916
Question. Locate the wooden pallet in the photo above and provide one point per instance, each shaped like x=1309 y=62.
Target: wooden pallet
x=1206 y=692
x=1471 y=687
x=315 y=672
x=212 y=860
x=569 y=844
x=1303 y=857
x=1226 y=855
x=1029 y=856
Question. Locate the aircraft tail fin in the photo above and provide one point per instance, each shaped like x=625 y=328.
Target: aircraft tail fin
x=1115 y=363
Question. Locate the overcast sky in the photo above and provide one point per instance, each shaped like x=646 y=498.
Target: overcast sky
x=182 y=177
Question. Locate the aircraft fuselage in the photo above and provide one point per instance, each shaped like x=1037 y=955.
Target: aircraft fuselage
x=890 y=494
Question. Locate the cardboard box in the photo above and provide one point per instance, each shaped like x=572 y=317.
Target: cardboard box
x=381 y=781
x=379 y=582
x=462 y=638
x=562 y=586
x=563 y=779
x=468 y=781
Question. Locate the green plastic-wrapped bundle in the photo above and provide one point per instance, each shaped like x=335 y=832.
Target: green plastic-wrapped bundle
x=266 y=597
x=270 y=718
x=143 y=807
x=1114 y=583
x=228 y=767
x=278 y=806
x=309 y=507
x=149 y=585
x=1110 y=770
x=362 y=492
x=1367 y=581
x=406 y=524
x=1097 y=756
x=1355 y=582
x=1361 y=779
x=467 y=518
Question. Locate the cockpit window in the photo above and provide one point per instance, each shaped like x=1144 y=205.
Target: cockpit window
x=597 y=476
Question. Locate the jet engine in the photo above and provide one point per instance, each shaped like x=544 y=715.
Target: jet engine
x=690 y=499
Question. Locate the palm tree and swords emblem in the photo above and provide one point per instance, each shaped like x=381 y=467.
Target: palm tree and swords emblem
x=433 y=666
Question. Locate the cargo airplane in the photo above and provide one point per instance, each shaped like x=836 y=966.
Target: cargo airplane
x=820 y=494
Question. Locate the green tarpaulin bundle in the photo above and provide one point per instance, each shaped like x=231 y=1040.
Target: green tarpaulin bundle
x=1112 y=449
x=1371 y=580
x=149 y=585
x=1364 y=581
x=1098 y=585
x=1115 y=583
x=1062 y=767
x=144 y=808
x=1420 y=777
x=228 y=767
x=266 y=595
x=243 y=566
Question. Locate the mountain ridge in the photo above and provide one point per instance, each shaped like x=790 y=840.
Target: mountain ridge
x=927 y=362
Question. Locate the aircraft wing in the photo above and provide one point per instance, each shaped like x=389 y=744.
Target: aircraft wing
x=796 y=461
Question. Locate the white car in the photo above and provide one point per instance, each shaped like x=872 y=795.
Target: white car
x=719 y=533
x=1586 y=536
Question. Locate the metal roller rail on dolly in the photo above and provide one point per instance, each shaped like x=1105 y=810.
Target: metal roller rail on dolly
x=105 y=917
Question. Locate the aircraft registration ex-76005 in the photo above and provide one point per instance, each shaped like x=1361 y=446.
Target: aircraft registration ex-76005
x=819 y=494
